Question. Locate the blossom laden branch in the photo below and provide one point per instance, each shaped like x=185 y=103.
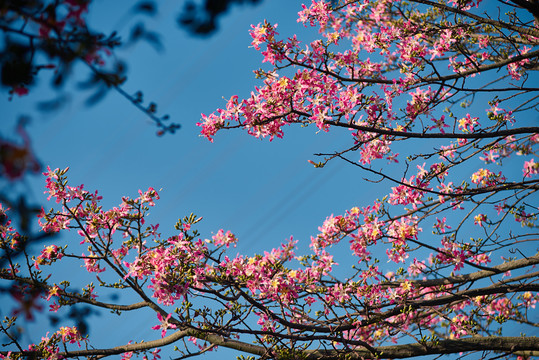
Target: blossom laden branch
x=517 y=345
x=441 y=262
x=430 y=135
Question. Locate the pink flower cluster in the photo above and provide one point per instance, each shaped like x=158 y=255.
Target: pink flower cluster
x=50 y=254
x=172 y=269
x=183 y=266
x=530 y=168
x=455 y=253
x=164 y=325
x=485 y=177
x=50 y=346
x=226 y=239
x=294 y=294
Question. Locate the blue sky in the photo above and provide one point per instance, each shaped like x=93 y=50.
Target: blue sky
x=263 y=192
x=238 y=182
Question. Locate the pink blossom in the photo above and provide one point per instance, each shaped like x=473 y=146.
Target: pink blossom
x=222 y=238
x=440 y=225
x=468 y=123
x=50 y=254
x=479 y=219
x=490 y=156
x=91 y=262
x=416 y=268
x=165 y=325
x=20 y=90
x=439 y=124
x=530 y=168
x=70 y=335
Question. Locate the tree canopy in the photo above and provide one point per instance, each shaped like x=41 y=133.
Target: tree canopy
x=440 y=100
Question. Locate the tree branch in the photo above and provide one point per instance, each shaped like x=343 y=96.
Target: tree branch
x=502 y=268
x=498 y=344
x=495 y=23
x=77 y=297
x=476 y=135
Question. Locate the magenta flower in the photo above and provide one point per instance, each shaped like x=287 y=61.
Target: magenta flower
x=164 y=324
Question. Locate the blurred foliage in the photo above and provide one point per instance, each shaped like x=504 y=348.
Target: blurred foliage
x=202 y=19
x=46 y=36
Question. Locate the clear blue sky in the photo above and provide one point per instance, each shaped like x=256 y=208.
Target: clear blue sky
x=264 y=192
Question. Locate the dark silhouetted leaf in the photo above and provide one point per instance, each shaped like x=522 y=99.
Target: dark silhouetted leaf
x=146 y=7
x=52 y=105
x=16 y=73
x=202 y=19
x=96 y=97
